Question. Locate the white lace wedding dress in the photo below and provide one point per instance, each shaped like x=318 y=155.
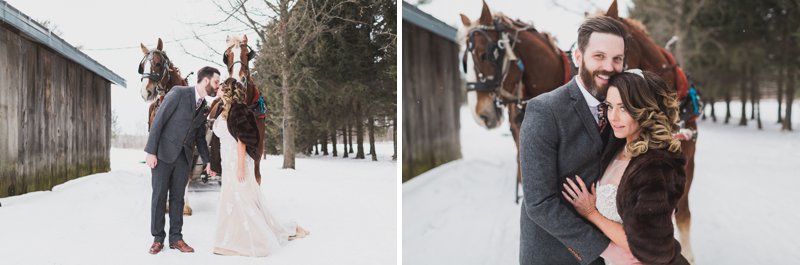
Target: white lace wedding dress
x=607 y=190
x=245 y=225
x=606 y=202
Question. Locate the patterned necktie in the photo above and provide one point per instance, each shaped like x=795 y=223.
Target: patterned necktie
x=601 y=117
x=199 y=103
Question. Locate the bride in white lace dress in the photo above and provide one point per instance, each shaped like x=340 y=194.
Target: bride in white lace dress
x=634 y=201
x=245 y=226
x=607 y=189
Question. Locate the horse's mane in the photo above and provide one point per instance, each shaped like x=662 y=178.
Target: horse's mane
x=549 y=39
x=463 y=32
x=636 y=24
x=552 y=41
x=174 y=71
x=234 y=40
x=177 y=72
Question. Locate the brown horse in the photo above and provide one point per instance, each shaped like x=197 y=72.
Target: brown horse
x=645 y=54
x=513 y=62
x=237 y=59
x=161 y=76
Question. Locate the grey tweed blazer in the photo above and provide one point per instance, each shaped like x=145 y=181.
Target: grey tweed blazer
x=559 y=138
x=178 y=127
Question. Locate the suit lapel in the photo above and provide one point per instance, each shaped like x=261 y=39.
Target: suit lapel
x=197 y=110
x=582 y=109
x=199 y=116
x=190 y=98
x=193 y=107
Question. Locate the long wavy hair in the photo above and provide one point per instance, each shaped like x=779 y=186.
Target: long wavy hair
x=232 y=93
x=653 y=106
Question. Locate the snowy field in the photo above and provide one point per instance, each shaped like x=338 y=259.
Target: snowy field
x=744 y=197
x=349 y=205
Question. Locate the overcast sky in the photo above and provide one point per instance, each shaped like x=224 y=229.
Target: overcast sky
x=110 y=32
x=562 y=21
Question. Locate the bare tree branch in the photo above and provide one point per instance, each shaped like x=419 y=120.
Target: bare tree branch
x=255 y=25
x=347 y=20
x=696 y=10
x=274 y=8
x=205 y=43
x=556 y=3
x=223 y=10
x=203 y=58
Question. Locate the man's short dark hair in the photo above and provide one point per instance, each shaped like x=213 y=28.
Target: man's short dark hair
x=601 y=24
x=206 y=71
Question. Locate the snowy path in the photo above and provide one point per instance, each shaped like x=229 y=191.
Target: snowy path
x=743 y=200
x=349 y=205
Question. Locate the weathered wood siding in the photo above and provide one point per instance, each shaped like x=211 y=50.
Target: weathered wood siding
x=56 y=117
x=431 y=100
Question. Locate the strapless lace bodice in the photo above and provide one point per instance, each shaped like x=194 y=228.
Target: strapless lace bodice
x=607 y=190
x=607 y=202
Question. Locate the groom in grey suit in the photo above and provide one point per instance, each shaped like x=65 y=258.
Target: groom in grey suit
x=563 y=135
x=179 y=125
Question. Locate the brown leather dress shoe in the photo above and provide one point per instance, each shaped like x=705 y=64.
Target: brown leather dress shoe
x=182 y=246
x=156 y=247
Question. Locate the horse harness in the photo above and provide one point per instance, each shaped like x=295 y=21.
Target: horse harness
x=258 y=105
x=250 y=55
x=501 y=54
x=156 y=77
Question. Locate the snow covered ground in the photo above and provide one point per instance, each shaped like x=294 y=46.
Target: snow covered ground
x=349 y=205
x=744 y=197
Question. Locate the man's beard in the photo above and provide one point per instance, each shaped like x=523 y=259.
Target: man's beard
x=210 y=91
x=598 y=92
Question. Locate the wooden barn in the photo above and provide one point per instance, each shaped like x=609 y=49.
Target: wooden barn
x=432 y=93
x=55 y=106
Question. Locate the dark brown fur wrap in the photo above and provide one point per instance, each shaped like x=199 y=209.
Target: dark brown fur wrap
x=648 y=194
x=242 y=125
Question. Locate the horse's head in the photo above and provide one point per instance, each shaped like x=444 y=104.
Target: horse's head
x=482 y=40
x=642 y=52
x=154 y=68
x=237 y=58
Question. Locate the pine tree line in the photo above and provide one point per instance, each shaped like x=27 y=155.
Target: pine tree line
x=327 y=72
x=732 y=49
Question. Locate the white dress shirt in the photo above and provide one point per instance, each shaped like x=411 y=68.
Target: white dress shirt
x=591 y=101
x=197 y=96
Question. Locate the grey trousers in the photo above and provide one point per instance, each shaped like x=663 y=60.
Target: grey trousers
x=168 y=178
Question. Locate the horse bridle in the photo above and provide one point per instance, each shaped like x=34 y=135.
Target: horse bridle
x=156 y=77
x=250 y=55
x=495 y=53
x=500 y=53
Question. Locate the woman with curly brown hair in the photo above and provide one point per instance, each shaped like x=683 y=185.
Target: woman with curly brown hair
x=245 y=225
x=636 y=197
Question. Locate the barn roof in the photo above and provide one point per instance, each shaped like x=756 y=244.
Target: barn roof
x=25 y=24
x=424 y=20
